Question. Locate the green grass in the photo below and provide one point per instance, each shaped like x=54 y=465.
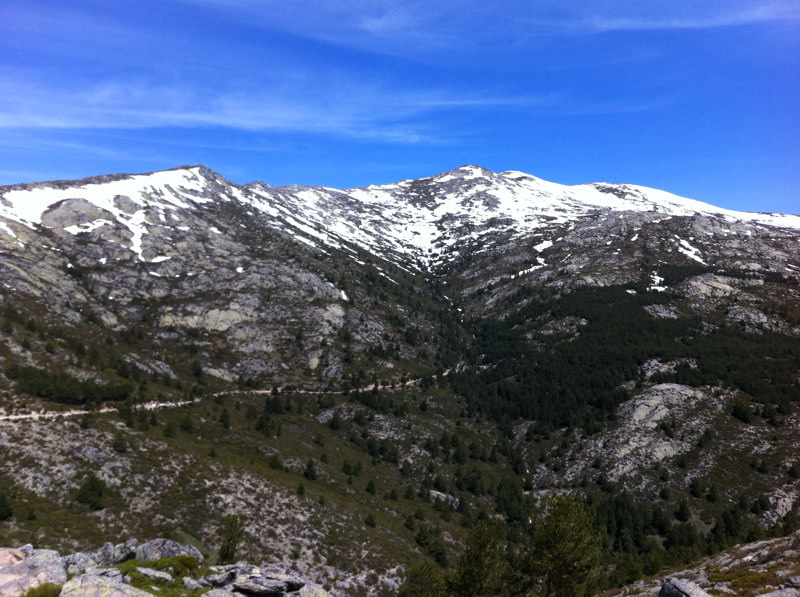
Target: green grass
x=178 y=567
x=47 y=589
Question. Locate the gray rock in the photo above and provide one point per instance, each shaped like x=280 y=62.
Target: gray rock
x=110 y=554
x=293 y=583
x=154 y=574
x=313 y=590
x=218 y=593
x=259 y=585
x=25 y=568
x=191 y=583
x=99 y=586
x=155 y=549
x=790 y=592
x=112 y=573
x=77 y=563
x=676 y=587
x=222 y=579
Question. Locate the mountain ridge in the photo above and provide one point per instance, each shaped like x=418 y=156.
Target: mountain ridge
x=414 y=221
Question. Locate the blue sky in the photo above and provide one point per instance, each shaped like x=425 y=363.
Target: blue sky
x=700 y=98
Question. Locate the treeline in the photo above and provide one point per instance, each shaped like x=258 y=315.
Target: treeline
x=63 y=387
x=566 y=379
x=559 y=555
x=643 y=538
x=763 y=365
x=573 y=377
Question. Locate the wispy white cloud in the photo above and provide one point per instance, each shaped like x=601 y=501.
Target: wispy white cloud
x=336 y=107
x=709 y=15
x=414 y=28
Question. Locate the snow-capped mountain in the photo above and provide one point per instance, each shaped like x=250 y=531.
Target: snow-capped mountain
x=185 y=248
x=413 y=222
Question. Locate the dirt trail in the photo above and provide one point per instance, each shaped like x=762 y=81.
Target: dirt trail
x=55 y=414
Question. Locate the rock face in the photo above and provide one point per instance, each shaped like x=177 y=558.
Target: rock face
x=25 y=568
x=93 y=574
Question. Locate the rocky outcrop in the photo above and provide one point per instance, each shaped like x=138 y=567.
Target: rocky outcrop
x=156 y=549
x=93 y=574
x=100 y=583
x=244 y=579
x=675 y=587
x=25 y=568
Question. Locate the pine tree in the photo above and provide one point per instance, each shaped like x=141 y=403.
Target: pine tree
x=566 y=548
x=482 y=570
x=424 y=580
x=186 y=424
x=5 y=507
x=310 y=472
x=92 y=492
x=231 y=533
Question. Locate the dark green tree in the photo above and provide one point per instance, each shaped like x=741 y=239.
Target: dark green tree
x=231 y=532
x=424 y=580
x=310 y=471
x=92 y=492
x=119 y=443
x=169 y=429
x=186 y=424
x=482 y=570
x=565 y=548
x=5 y=507
x=683 y=513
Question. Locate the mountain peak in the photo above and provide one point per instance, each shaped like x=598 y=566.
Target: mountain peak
x=466 y=171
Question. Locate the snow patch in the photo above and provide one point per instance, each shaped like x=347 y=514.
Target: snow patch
x=87 y=227
x=4 y=227
x=657 y=283
x=690 y=251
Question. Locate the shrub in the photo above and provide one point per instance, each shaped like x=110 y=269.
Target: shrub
x=231 y=534
x=48 y=589
x=91 y=492
x=5 y=507
x=310 y=472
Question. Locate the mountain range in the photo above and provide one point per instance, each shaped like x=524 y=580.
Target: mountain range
x=467 y=342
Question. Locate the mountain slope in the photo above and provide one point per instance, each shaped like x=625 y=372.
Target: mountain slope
x=468 y=341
